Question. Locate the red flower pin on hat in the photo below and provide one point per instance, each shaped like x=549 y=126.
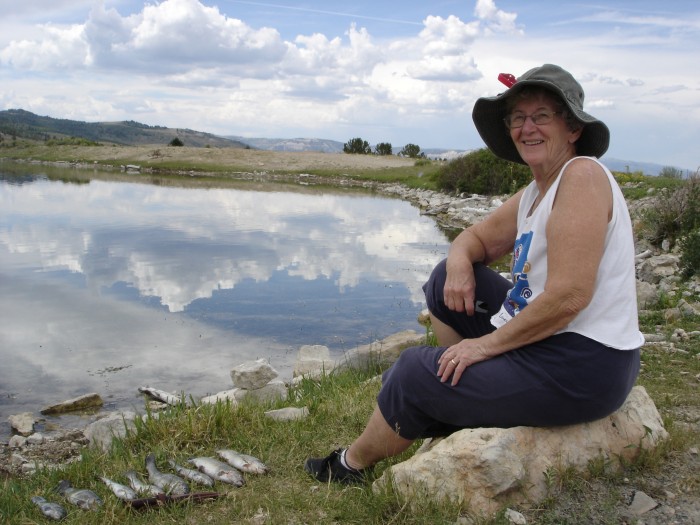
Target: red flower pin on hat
x=507 y=79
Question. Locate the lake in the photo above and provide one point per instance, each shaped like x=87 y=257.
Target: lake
x=110 y=282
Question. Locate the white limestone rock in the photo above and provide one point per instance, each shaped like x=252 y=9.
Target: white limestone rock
x=288 y=414
x=116 y=424
x=313 y=360
x=253 y=374
x=223 y=397
x=273 y=391
x=22 y=423
x=384 y=352
x=485 y=468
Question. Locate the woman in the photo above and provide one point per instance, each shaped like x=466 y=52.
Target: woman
x=557 y=345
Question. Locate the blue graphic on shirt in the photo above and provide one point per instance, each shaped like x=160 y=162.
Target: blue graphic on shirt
x=517 y=297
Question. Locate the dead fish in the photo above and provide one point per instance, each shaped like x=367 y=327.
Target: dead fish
x=218 y=470
x=83 y=498
x=161 y=395
x=50 y=509
x=140 y=486
x=191 y=474
x=123 y=492
x=172 y=485
x=243 y=462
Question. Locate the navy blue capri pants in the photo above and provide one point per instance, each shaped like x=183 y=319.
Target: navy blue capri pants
x=561 y=380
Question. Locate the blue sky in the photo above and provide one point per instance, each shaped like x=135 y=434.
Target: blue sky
x=394 y=71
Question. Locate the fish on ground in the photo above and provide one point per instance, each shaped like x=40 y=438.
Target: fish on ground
x=218 y=470
x=140 y=486
x=193 y=475
x=243 y=462
x=172 y=485
x=161 y=395
x=49 y=509
x=83 y=498
x=123 y=492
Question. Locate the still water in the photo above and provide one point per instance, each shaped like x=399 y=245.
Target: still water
x=107 y=285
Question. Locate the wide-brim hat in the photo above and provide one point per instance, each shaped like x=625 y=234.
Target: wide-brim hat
x=489 y=112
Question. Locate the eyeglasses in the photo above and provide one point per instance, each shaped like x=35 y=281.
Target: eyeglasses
x=517 y=120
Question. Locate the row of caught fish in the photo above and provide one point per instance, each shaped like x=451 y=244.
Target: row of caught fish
x=208 y=470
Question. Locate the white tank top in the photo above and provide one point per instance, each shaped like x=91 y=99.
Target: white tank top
x=611 y=316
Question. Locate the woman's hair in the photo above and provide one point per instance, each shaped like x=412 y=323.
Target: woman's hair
x=532 y=92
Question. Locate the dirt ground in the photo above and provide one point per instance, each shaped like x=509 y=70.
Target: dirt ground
x=239 y=158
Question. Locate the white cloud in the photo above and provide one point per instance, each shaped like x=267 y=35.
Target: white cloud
x=494 y=19
x=189 y=63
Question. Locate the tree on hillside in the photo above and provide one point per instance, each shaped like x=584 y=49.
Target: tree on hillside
x=357 y=145
x=176 y=142
x=383 y=148
x=411 y=150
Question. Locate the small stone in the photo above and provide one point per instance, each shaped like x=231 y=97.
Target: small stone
x=36 y=439
x=288 y=413
x=223 y=397
x=642 y=503
x=17 y=460
x=515 y=517
x=17 y=441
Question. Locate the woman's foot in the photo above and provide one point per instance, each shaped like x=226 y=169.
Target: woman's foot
x=332 y=468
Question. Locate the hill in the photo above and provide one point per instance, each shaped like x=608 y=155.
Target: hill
x=24 y=124
x=296 y=144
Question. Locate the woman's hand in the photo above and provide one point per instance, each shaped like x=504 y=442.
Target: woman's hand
x=460 y=287
x=455 y=360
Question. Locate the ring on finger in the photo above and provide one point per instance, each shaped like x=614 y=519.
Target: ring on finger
x=453 y=362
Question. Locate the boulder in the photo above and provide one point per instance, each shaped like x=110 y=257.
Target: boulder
x=71 y=405
x=487 y=468
x=103 y=431
x=647 y=294
x=253 y=374
x=22 y=423
x=658 y=267
x=273 y=391
x=312 y=360
x=384 y=352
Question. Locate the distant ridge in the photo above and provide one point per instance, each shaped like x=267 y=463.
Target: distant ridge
x=24 y=124
x=297 y=144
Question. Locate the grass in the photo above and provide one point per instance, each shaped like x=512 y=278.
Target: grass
x=339 y=405
x=227 y=163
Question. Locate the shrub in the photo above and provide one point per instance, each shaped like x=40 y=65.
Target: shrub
x=411 y=151
x=690 y=254
x=675 y=212
x=383 y=148
x=357 y=145
x=484 y=173
x=176 y=142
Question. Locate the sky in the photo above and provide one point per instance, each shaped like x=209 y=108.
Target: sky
x=402 y=72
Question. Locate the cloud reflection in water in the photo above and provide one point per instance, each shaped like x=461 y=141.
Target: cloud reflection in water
x=175 y=286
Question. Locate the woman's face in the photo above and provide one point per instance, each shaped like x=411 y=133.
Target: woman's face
x=543 y=145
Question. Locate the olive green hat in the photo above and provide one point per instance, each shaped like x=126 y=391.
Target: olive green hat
x=489 y=112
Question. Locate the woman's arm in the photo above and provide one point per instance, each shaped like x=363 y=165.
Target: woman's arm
x=576 y=232
x=484 y=242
